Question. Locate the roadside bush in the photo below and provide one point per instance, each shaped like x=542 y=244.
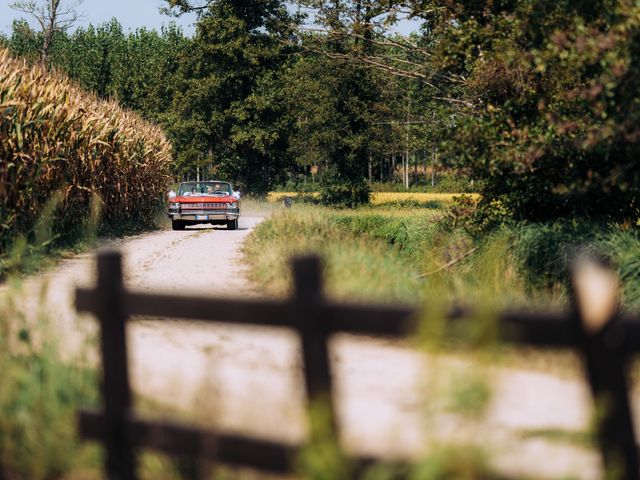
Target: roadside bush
x=56 y=138
x=346 y=195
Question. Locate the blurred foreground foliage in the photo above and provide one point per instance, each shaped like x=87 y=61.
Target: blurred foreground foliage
x=42 y=385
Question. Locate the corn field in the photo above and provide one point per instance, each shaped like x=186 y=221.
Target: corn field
x=56 y=139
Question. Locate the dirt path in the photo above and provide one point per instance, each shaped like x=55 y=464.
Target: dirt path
x=249 y=379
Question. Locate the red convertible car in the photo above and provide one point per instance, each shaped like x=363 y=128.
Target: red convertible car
x=204 y=202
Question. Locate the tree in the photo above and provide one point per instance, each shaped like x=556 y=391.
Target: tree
x=554 y=92
x=52 y=17
x=350 y=90
x=228 y=110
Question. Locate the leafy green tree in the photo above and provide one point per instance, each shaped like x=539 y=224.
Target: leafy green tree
x=338 y=114
x=553 y=94
x=229 y=108
x=136 y=68
x=23 y=41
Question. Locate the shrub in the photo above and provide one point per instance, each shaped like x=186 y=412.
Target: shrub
x=346 y=195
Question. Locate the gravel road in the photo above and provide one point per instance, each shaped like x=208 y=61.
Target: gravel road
x=249 y=379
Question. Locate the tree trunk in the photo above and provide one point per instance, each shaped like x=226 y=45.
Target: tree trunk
x=406 y=145
x=49 y=31
x=424 y=164
x=393 y=167
x=433 y=168
x=406 y=165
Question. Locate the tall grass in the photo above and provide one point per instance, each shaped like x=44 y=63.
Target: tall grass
x=398 y=254
x=383 y=254
x=624 y=246
x=544 y=250
x=59 y=138
x=288 y=233
x=40 y=392
x=377 y=254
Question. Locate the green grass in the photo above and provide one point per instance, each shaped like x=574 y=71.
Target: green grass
x=349 y=257
x=444 y=183
x=383 y=253
x=42 y=386
x=377 y=254
x=578 y=438
x=39 y=396
x=391 y=253
x=543 y=252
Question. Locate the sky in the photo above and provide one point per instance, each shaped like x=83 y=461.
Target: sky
x=131 y=14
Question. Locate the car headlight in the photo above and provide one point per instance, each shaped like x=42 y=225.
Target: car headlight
x=173 y=205
x=232 y=205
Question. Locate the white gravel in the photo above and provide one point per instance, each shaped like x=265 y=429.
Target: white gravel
x=249 y=379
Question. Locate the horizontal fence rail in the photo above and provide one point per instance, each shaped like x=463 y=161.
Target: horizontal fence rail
x=549 y=329
x=344 y=318
x=605 y=350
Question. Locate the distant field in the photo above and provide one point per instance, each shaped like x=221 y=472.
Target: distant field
x=391 y=197
x=386 y=197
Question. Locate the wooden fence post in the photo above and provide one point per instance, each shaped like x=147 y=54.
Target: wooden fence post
x=596 y=313
x=313 y=331
x=120 y=462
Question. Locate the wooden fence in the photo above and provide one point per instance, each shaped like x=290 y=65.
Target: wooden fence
x=594 y=326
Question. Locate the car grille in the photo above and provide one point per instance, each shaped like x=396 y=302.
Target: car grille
x=200 y=206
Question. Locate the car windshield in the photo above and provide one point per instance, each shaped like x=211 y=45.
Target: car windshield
x=205 y=188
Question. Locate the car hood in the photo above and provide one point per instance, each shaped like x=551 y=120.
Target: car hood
x=206 y=199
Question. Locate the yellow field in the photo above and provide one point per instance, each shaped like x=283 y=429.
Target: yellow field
x=389 y=197
x=379 y=198
x=278 y=196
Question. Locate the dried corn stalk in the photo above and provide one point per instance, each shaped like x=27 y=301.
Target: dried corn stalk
x=54 y=136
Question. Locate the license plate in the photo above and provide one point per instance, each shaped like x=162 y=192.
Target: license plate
x=202 y=217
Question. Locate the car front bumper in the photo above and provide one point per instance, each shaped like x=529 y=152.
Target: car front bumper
x=204 y=215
